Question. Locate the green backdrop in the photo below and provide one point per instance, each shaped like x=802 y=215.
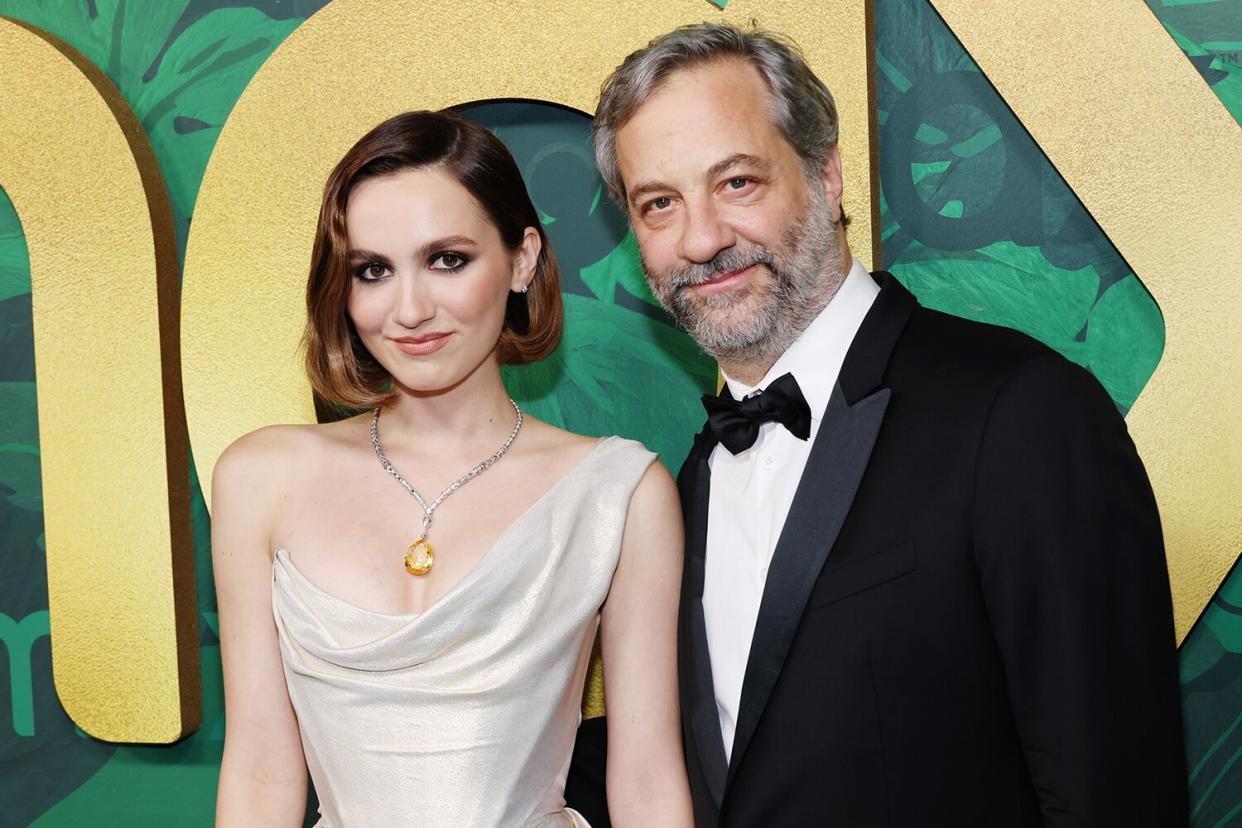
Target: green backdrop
x=974 y=220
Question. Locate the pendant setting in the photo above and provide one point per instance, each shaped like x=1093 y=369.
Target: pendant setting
x=419 y=558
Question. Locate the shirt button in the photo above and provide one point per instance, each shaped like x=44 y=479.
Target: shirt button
x=767 y=462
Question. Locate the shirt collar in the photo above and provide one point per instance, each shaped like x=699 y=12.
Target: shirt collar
x=815 y=357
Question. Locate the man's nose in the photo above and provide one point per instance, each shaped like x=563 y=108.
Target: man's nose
x=704 y=233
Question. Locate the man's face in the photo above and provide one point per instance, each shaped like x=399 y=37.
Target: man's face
x=737 y=242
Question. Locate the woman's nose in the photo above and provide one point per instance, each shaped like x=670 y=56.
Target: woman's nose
x=414 y=301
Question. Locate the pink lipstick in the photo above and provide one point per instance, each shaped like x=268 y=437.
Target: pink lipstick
x=422 y=345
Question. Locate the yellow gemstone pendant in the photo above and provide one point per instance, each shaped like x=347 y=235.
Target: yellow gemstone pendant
x=419 y=557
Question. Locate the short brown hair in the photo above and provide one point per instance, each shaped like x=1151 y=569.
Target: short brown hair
x=341 y=370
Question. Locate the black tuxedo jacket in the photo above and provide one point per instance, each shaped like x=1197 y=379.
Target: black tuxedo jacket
x=966 y=620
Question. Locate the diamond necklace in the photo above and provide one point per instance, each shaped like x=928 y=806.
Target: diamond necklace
x=419 y=556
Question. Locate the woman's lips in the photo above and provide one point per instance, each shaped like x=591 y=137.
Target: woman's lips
x=725 y=281
x=422 y=345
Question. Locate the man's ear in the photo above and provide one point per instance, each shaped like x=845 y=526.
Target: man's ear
x=525 y=259
x=830 y=180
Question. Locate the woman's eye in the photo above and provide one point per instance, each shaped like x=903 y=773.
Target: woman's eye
x=372 y=272
x=448 y=261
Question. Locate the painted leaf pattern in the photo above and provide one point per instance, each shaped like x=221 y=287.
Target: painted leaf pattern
x=954 y=231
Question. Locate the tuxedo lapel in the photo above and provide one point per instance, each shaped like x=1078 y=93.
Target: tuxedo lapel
x=700 y=720
x=834 y=469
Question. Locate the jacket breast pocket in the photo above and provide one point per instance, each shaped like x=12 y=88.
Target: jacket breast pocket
x=861 y=574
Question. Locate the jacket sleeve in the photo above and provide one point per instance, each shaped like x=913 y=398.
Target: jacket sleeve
x=1070 y=558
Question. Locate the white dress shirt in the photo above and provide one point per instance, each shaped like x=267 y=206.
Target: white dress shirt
x=751 y=492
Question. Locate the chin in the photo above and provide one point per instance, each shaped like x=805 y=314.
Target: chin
x=422 y=384
x=744 y=312
x=433 y=377
x=424 y=378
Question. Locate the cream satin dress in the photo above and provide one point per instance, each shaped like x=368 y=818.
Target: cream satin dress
x=464 y=714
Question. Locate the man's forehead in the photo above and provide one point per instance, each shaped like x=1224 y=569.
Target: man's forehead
x=704 y=117
x=722 y=81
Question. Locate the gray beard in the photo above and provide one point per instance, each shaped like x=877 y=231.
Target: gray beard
x=806 y=273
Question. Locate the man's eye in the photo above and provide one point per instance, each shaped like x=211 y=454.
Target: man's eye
x=660 y=203
x=738 y=183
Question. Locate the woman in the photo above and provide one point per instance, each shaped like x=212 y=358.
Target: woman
x=408 y=597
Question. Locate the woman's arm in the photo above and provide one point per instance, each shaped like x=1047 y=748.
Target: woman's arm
x=646 y=775
x=263 y=773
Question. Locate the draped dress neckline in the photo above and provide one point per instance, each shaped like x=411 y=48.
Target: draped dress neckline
x=465 y=713
x=285 y=557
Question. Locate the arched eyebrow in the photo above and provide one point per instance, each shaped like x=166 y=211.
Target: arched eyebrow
x=445 y=243
x=362 y=255
x=737 y=159
x=422 y=251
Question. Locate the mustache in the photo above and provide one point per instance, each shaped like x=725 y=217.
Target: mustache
x=726 y=261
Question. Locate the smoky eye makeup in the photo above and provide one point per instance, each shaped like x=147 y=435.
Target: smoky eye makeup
x=450 y=261
x=369 y=271
x=368 y=265
x=444 y=255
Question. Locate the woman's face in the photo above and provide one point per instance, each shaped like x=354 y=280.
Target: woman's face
x=430 y=276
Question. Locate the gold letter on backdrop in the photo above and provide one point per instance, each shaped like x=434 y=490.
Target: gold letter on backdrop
x=116 y=500
x=327 y=84
x=1142 y=141
x=1157 y=160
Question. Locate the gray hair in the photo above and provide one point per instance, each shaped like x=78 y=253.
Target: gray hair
x=802 y=107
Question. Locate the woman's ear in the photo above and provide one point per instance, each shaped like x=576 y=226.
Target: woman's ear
x=525 y=260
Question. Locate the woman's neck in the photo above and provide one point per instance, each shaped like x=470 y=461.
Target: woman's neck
x=471 y=415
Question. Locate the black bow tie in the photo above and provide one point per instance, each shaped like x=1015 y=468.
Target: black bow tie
x=736 y=423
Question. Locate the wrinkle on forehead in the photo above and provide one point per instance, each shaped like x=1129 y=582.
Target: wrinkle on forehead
x=699 y=119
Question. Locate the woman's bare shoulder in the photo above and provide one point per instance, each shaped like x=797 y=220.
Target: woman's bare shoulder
x=556 y=444
x=277 y=453
x=565 y=447
x=656 y=493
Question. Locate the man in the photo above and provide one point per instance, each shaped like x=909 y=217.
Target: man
x=924 y=578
